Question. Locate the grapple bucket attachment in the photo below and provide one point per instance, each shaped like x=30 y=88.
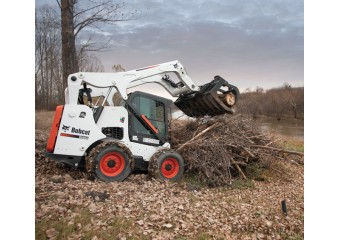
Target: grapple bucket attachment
x=210 y=100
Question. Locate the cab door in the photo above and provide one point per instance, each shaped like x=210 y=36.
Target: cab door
x=156 y=110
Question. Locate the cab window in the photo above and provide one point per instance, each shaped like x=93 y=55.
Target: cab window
x=154 y=110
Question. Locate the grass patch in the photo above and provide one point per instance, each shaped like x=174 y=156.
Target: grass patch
x=205 y=236
x=294 y=237
x=242 y=184
x=61 y=227
x=193 y=183
x=255 y=171
x=201 y=236
x=292 y=144
x=115 y=226
x=277 y=170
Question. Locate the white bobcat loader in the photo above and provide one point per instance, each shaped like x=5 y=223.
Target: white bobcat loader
x=110 y=140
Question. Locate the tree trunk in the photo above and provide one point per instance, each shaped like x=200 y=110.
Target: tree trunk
x=69 y=55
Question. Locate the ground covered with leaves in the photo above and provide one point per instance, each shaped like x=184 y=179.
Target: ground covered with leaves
x=69 y=206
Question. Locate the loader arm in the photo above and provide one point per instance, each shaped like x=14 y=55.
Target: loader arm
x=122 y=81
x=188 y=92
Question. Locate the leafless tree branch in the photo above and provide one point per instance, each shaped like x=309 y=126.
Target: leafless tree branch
x=58 y=3
x=101 y=12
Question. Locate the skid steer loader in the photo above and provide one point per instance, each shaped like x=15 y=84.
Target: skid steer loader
x=112 y=139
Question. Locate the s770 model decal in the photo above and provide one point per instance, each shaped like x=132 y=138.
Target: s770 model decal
x=69 y=135
x=73 y=136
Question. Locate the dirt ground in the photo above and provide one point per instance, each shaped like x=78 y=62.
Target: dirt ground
x=69 y=206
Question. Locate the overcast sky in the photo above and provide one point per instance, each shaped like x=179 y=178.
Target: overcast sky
x=249 y=43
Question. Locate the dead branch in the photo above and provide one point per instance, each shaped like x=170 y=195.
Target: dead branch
x=239 y=163
x=247 y=151
x=276 y=140
x=238 y=168
x=215 y=125
x=278 y=149
x=200 y=134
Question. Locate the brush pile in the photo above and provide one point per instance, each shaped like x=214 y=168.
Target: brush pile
x=220 y=148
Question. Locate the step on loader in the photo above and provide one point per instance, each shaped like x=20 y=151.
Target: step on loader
x=110 y=138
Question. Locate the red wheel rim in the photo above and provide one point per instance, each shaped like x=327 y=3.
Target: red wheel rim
x=112 y=164
x=170 y=167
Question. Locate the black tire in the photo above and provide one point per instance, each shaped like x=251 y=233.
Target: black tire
x=112 y=164
x=166 y=165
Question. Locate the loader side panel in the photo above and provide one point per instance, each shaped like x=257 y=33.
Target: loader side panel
x=77 y=131
x=54 y=129
x=113 y=122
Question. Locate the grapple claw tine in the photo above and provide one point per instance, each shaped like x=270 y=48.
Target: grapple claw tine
x=210 y=100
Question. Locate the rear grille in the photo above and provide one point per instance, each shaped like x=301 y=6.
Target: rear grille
x=113 y=132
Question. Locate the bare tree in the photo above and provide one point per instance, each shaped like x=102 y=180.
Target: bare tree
x=77 y=15
x=49 y=88
x=47 y=55
x=252 y=102
x=278 y=102
x=118 y=68
x=89 y=63
x=291 y=97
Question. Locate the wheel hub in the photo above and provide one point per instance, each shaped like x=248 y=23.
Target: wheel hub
x=111 y=163
x=168 y=167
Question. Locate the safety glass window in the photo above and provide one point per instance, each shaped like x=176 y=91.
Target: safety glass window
x=154 y=110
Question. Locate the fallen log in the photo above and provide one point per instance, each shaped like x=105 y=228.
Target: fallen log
x=278 y=149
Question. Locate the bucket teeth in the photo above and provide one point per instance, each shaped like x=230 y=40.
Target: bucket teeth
x=208 y=100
